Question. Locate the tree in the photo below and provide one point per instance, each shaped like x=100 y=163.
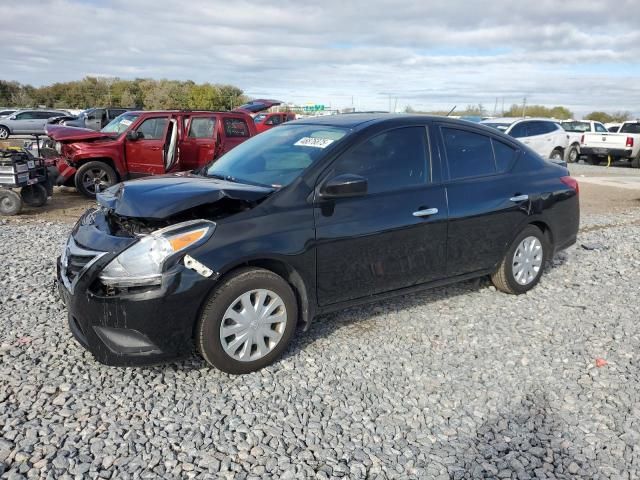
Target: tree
x=561 y=113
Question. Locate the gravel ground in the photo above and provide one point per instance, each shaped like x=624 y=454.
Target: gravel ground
x=457 y=382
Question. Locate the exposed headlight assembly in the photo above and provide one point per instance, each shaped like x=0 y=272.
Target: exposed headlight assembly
x=141 y=264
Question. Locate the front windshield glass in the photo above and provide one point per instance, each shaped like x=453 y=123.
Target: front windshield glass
x=120 y=123
x=260 y=117
x=275 y=158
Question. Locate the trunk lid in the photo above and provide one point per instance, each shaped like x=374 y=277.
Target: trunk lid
x=259 y=105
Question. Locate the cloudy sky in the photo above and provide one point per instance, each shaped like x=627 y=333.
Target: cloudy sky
x=428 y=54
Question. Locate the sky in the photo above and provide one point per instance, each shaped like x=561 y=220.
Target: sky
x=429 y=54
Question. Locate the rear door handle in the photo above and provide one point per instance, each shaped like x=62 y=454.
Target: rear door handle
x=426 y=212
x=519 y=198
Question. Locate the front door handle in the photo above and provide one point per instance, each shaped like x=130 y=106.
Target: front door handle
x=519 y=198
x=426 y=212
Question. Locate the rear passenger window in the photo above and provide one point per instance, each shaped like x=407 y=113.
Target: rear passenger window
x=505 y=155
x=235 y=127
x=202 y=127
x=468 y=154
x=600 y=128
x=389 y=161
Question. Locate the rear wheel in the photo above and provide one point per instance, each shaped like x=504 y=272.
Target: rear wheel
x=574 y=154
x=247 y=322
x=522 y=265
x=635 y=162
x=556 y=155
x=34 y=195
x=10 y=202
x=94 y=177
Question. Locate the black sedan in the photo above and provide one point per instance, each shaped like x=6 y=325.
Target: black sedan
x=310 y=217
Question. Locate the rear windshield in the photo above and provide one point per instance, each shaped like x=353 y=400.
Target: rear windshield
x=579 y=127
x=278 y=156
x=121 y=123
x=630 y=128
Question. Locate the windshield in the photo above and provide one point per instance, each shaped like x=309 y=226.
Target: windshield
x=120 y=123
x=275 y=158
x=260 y=117
x=630 y=128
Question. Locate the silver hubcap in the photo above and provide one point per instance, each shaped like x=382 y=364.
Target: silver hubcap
x=253 y=325
x=556 y=156
x=573 y=155
x=4 y=133
x=527 y=260
x=96 y=180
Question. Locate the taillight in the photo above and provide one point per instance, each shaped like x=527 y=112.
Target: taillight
x=571 y=183
x=582 y=139
x=630 y=142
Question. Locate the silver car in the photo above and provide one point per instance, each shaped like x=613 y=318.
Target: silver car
x=27 y=122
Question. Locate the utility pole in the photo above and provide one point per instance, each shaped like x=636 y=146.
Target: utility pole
x=495 y=107
x=524 y=106
x=503 y=106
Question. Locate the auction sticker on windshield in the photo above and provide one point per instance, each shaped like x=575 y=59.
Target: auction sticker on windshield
x=314 y=142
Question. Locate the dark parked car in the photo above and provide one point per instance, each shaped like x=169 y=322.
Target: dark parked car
x=306 y=218
x=92 y=118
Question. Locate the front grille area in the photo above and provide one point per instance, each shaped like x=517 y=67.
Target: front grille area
x=75 y=262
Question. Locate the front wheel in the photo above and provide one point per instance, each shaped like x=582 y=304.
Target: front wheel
x=247 y=322
x=4 y=133
x=522 y=265
x=94 y=177
x=10 y=202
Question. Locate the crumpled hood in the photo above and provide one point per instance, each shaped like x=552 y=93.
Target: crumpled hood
x=62 y=133
x=162 y=196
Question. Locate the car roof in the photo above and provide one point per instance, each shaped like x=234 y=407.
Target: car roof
x=186 y=112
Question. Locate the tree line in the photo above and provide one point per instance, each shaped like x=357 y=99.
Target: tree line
x=557 y=112
x=143 y=93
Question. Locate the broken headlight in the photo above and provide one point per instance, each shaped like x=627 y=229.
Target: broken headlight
x=142 y=263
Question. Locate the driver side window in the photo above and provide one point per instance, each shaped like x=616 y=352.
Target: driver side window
x=153 y=128
x=389 y=161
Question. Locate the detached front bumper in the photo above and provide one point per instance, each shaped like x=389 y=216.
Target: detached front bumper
x=604 y=152
x=66 y=173
x=138 y=327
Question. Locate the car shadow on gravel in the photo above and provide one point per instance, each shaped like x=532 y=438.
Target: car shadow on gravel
x=527 y=441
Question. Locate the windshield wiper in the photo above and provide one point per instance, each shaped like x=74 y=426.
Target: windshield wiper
x=228 y=178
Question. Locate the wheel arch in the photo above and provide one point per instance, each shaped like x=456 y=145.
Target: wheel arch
x=289 y=274
x=546 y=230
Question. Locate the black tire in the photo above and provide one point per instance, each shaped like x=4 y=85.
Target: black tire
x=504 y=278
x=635 y=162
x=10 y=202
x=94 y=177
x=574 y=154
x=556 y=155
x=4 y=133
x=593 y=160
x=34 y=195
x=242 y=281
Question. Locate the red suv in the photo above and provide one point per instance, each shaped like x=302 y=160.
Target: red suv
x=265 y=121
x=136 y=144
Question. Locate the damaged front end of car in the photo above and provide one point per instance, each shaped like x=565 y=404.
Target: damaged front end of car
x=122 y=274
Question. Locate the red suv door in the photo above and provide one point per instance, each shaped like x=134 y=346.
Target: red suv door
x=145 y=156
x=198 y=146
x=235 y=130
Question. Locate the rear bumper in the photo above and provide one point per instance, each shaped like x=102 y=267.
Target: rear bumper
x=604 y=151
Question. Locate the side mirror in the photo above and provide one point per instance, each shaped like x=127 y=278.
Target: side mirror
x=342 y=186
x=12 y=117
x=133 y=136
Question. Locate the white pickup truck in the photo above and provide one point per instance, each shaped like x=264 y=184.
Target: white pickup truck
x=575 y=129
x=622 y=145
